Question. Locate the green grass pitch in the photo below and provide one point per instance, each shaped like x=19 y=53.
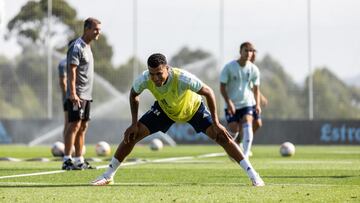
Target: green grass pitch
x=314 y=174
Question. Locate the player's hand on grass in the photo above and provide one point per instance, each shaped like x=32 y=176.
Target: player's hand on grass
x=130 y=133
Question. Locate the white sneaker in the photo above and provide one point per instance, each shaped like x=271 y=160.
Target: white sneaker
x=101 y=180
x=257 y=181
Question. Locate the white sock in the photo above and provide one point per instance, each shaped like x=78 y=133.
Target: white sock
x=79 y=159
x=248 y=168
x=113 y=166
x=66 y=158
x=248 y=138
x=234 y=135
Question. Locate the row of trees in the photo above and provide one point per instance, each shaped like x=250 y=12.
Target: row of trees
x=23 y=81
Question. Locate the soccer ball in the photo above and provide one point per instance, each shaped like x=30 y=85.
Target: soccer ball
x=156 y=144
x=102 y=148
x=57 y=149
x=287 y=149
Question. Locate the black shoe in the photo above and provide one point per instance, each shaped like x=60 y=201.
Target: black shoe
x=83 y=166
x=68 y=165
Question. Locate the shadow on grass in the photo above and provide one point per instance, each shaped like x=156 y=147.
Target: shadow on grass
x=12 y=185
x=343 y=176
x=302 y=177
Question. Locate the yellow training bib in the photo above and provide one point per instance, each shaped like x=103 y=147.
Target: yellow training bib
x=179 y=107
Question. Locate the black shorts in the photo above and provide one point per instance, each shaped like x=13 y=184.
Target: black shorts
x=76 y=113
x=240 y=113
x=156 y=119
x=65 y=105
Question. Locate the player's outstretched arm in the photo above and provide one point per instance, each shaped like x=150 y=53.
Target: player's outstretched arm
x=134 y=105
x=208 y=93
x=132 y=130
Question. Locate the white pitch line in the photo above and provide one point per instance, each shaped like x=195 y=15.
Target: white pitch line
x=171 y=159
x=122 y=165
x=33 y=174
x=211 y=155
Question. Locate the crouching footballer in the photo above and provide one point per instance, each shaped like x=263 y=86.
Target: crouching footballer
x=178 y=99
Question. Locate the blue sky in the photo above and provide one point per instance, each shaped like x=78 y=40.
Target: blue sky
x=277 y=27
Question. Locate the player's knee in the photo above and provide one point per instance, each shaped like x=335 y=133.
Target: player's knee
x=222 y=139
x=84 y=126
x=74 y=126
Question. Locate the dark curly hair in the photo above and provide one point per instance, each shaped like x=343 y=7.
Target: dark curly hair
x=155 y=60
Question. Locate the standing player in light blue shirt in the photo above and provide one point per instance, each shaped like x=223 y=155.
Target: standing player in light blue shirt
x=239 y=86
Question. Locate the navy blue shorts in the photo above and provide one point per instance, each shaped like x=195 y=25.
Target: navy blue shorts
x=240 y=113
x=156 y=119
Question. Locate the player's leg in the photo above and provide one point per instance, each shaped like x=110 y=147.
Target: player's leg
x=233 y=150
x=248 y=135
x=246 y=115
x=239 y=138
x=202 y=122
x=66 y=119
x=256 y=124
x=153 y=121
x=122 y=151
x=74 y=124
x=233 y=124
x=233 y=128
x=79 y=160
x=80 y=138
x=69 y=140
